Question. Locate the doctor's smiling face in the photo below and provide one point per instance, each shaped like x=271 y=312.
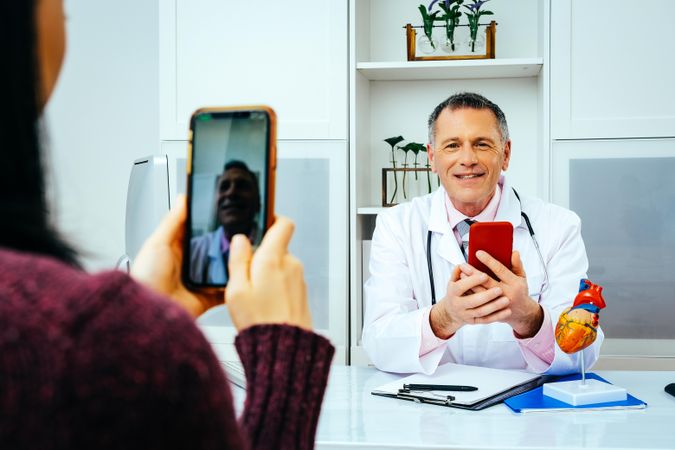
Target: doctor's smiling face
x=237 y=199
x=468 y=153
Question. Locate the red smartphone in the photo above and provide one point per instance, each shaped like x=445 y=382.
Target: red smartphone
x=495 y=238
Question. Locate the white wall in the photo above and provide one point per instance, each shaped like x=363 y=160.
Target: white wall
x=103 y=115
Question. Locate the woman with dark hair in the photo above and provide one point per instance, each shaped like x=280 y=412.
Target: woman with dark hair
x=100 y=361
x=24 y=224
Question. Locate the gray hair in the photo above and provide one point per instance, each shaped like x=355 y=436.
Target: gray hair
x=468 y=100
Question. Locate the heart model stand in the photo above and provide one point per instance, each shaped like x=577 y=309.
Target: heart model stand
x=577 y=328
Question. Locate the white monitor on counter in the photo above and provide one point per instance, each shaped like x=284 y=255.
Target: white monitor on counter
x=154 y=183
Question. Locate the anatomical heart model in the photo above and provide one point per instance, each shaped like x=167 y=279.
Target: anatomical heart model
x=578 y=325
x=577 y=328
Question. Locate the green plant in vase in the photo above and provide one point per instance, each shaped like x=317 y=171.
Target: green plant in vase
x=407 y=148
x=392 y=141
x=474 y=16
x=426 y=43
x=416 y=148
x=451 y=18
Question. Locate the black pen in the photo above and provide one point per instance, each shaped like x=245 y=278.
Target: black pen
x=438 y=387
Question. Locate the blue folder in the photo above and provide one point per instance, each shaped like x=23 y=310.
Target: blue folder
x=535 y=400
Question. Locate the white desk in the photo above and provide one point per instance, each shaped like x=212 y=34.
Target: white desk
x=353 y=418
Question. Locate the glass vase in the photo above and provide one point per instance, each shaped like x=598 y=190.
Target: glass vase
x=426 y=45
x=477 y=45
x=449 y=46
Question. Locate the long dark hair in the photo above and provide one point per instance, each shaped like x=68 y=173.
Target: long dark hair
x=24 y=214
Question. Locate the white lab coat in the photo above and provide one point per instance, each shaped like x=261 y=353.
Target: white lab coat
x=398 y=290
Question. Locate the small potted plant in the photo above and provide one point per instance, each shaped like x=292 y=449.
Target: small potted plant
x=406 y=149
x=415 y=148
x=427 y=43
x=474 y=16
x=392 y=141
x=451 y=18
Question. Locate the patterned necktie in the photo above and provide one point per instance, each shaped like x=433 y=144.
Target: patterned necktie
x=463 y=230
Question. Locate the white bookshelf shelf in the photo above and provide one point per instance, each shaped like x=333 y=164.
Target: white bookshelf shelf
x=451 y=70
x=370 y=210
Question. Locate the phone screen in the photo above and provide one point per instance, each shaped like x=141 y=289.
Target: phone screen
x=227 y=189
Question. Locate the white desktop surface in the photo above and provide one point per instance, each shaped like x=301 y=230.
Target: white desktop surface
x=353 y=418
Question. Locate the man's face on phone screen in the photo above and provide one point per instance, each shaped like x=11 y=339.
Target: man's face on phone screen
x=237 y=201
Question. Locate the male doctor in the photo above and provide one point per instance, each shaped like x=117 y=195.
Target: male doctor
x=468 y=317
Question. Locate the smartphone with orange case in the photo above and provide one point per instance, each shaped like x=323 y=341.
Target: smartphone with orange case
x=495 y=238
x=231 y=169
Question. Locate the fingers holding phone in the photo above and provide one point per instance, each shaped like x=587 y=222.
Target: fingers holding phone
x=526 y=314
x=462 y=305
x=158 y=264
x=268 y=286
x=470 y=304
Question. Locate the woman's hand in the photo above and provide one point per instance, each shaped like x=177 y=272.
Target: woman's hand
x=269 y=286
x=158 y=264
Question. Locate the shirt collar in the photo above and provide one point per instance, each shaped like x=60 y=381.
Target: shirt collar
x=219 y=244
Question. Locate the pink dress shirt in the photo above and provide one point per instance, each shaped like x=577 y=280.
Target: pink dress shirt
x=538 y=350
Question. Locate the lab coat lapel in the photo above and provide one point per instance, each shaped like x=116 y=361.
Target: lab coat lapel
x=509 y=206
x=447 y=247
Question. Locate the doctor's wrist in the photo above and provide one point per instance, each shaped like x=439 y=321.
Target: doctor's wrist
x=442 y=324
x=529 y=327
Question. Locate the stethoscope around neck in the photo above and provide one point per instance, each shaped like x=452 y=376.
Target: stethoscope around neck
x=529 y=228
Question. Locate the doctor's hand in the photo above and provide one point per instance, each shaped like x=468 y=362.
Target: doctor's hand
x=158 y=264
x=267 y=287
x=526 y=314
x=462 y=306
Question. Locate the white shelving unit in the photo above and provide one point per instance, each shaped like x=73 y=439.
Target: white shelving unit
x=390 y=96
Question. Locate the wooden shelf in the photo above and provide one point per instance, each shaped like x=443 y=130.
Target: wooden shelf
x=450 y=70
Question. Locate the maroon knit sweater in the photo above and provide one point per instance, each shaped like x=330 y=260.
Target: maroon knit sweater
x=99 y=362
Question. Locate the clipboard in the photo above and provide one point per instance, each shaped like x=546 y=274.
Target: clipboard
x=494 y=386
